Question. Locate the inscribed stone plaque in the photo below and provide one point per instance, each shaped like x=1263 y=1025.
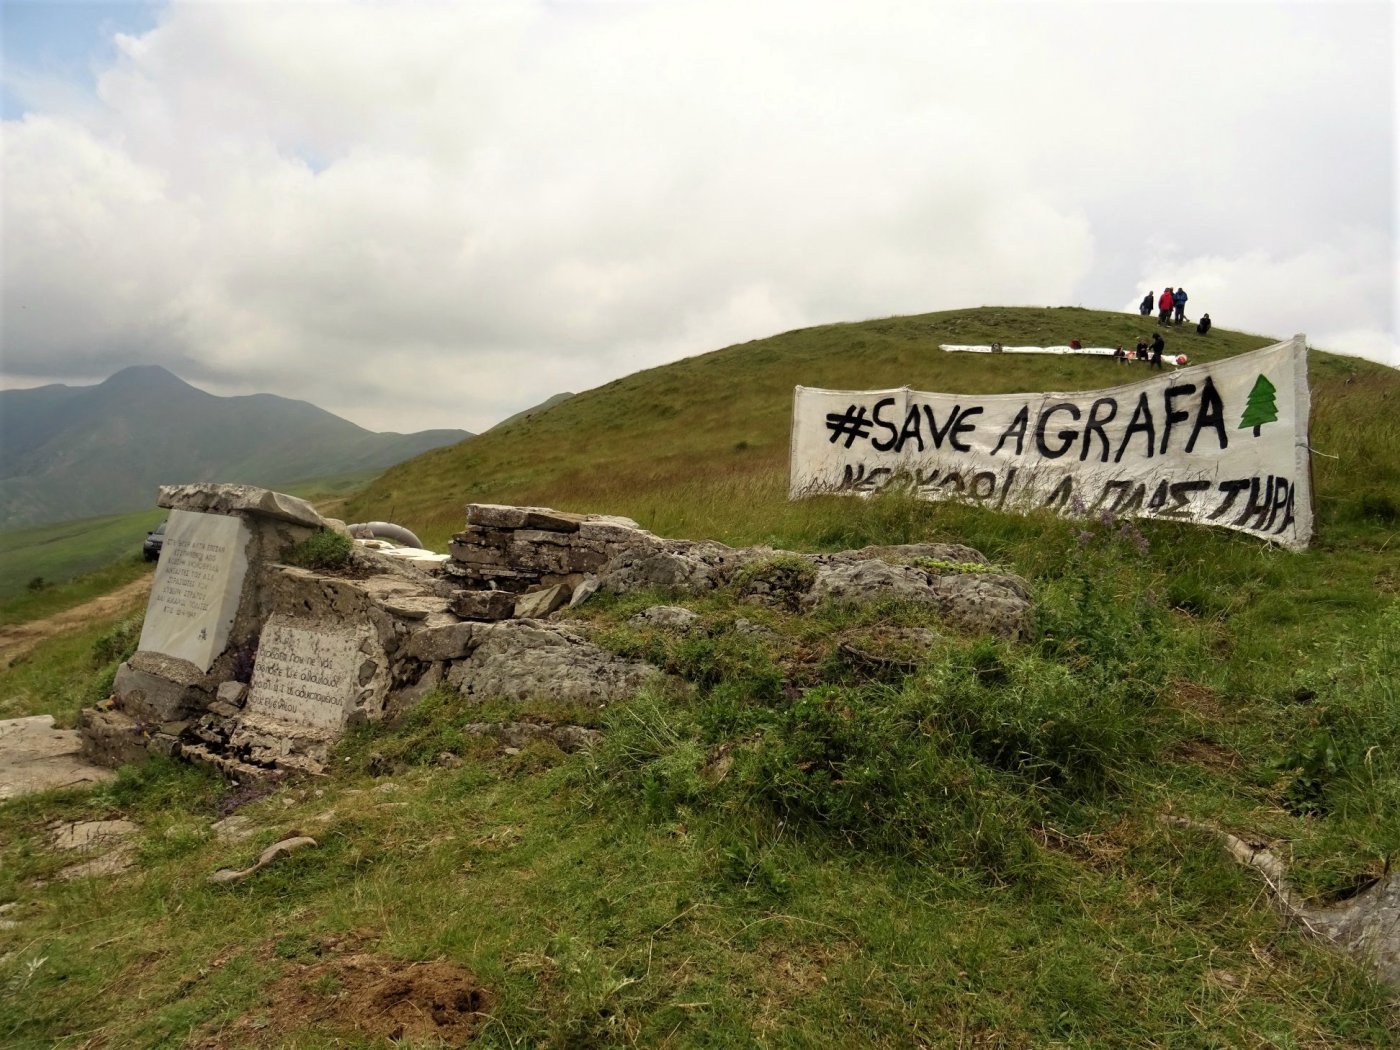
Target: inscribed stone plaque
x=305 y=677
x=198 y=582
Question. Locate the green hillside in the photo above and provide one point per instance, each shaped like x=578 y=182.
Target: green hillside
x=959 y=847
x=700 y=446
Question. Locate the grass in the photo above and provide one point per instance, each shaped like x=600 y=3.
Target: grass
x=798 y=849
x=70 y=671
x=106 y=548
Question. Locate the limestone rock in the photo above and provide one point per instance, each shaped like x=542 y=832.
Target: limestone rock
x=520 y=660
x=1367 y=926
x=538 y=604
x=407 y=697
x=484 y=605
x=90 y=836
x=515 y=735
x=585 y=590
x=907 y=553
x=495 y=515
x=105 y=837
x=212 y=498
x=693 y=567
x=673 y=616
x=442 y=643
x=981 y=602
x=235 y=828
x=171 y=668
x=748 y=629
x=416 y=607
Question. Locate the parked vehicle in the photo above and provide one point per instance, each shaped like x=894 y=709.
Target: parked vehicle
x=155 y=539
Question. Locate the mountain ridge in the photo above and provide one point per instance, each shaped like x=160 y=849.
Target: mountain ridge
x=75 y=452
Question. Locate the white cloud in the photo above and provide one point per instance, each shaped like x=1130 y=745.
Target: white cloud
x=433 y=215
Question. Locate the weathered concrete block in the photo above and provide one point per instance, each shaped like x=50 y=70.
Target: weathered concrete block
x=484 y=605
x=209 y=497
x=314 y=675
x=34 y=756
x=151 y=698
x=538 y=604
x=111 y=738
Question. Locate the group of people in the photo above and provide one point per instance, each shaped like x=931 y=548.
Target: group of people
x=1171 y=309
x=1152 y=353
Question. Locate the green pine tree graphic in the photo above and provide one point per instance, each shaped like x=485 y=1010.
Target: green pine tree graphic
x=1260 y=408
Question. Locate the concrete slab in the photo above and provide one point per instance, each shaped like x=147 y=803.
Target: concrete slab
x=34 y=756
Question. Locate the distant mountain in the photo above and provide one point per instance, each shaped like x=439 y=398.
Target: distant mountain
x=73 y=452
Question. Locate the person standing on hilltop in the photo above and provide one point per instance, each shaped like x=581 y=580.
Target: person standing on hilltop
x=1158 y=345
x=1203 y=325
x=1179 y=303
x=1145 y=307
x=1165 y=305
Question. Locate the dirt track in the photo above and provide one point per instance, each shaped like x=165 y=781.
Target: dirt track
x=19 y=639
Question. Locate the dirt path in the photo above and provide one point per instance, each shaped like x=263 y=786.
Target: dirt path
x=18 y=640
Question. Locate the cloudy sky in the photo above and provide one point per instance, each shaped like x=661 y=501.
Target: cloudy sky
x=428 y=214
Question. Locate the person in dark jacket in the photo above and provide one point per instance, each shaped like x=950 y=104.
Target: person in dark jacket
x=1158 y=345
x=1140 y=352
x=1165 y=305
x=1179 y=303
x=1203 y=325
x=1145 y=307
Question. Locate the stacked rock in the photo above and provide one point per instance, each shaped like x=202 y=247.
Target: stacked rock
x=506 y=551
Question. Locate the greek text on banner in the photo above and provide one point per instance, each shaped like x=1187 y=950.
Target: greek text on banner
x=1218 y=444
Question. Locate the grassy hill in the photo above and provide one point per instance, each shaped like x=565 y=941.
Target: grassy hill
x=800 y=851
x=702 y=444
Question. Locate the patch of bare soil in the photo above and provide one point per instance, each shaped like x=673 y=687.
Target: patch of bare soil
x=1196 y=699
x=18 y=639
x=434 y=1003
x=1201 y=752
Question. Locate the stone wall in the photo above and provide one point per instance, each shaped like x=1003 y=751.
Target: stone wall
x=256 y=667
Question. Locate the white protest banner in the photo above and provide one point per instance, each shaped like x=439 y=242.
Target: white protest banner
x=1220 y=444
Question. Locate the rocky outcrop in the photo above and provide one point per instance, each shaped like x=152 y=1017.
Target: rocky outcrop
x=520 y=549
x=304 y=653
x=991 y=603
x=525 y=660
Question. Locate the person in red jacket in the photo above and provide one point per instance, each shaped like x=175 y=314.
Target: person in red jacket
x=1165 y=305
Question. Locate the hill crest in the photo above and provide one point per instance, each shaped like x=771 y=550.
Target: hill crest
x=715 y=427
